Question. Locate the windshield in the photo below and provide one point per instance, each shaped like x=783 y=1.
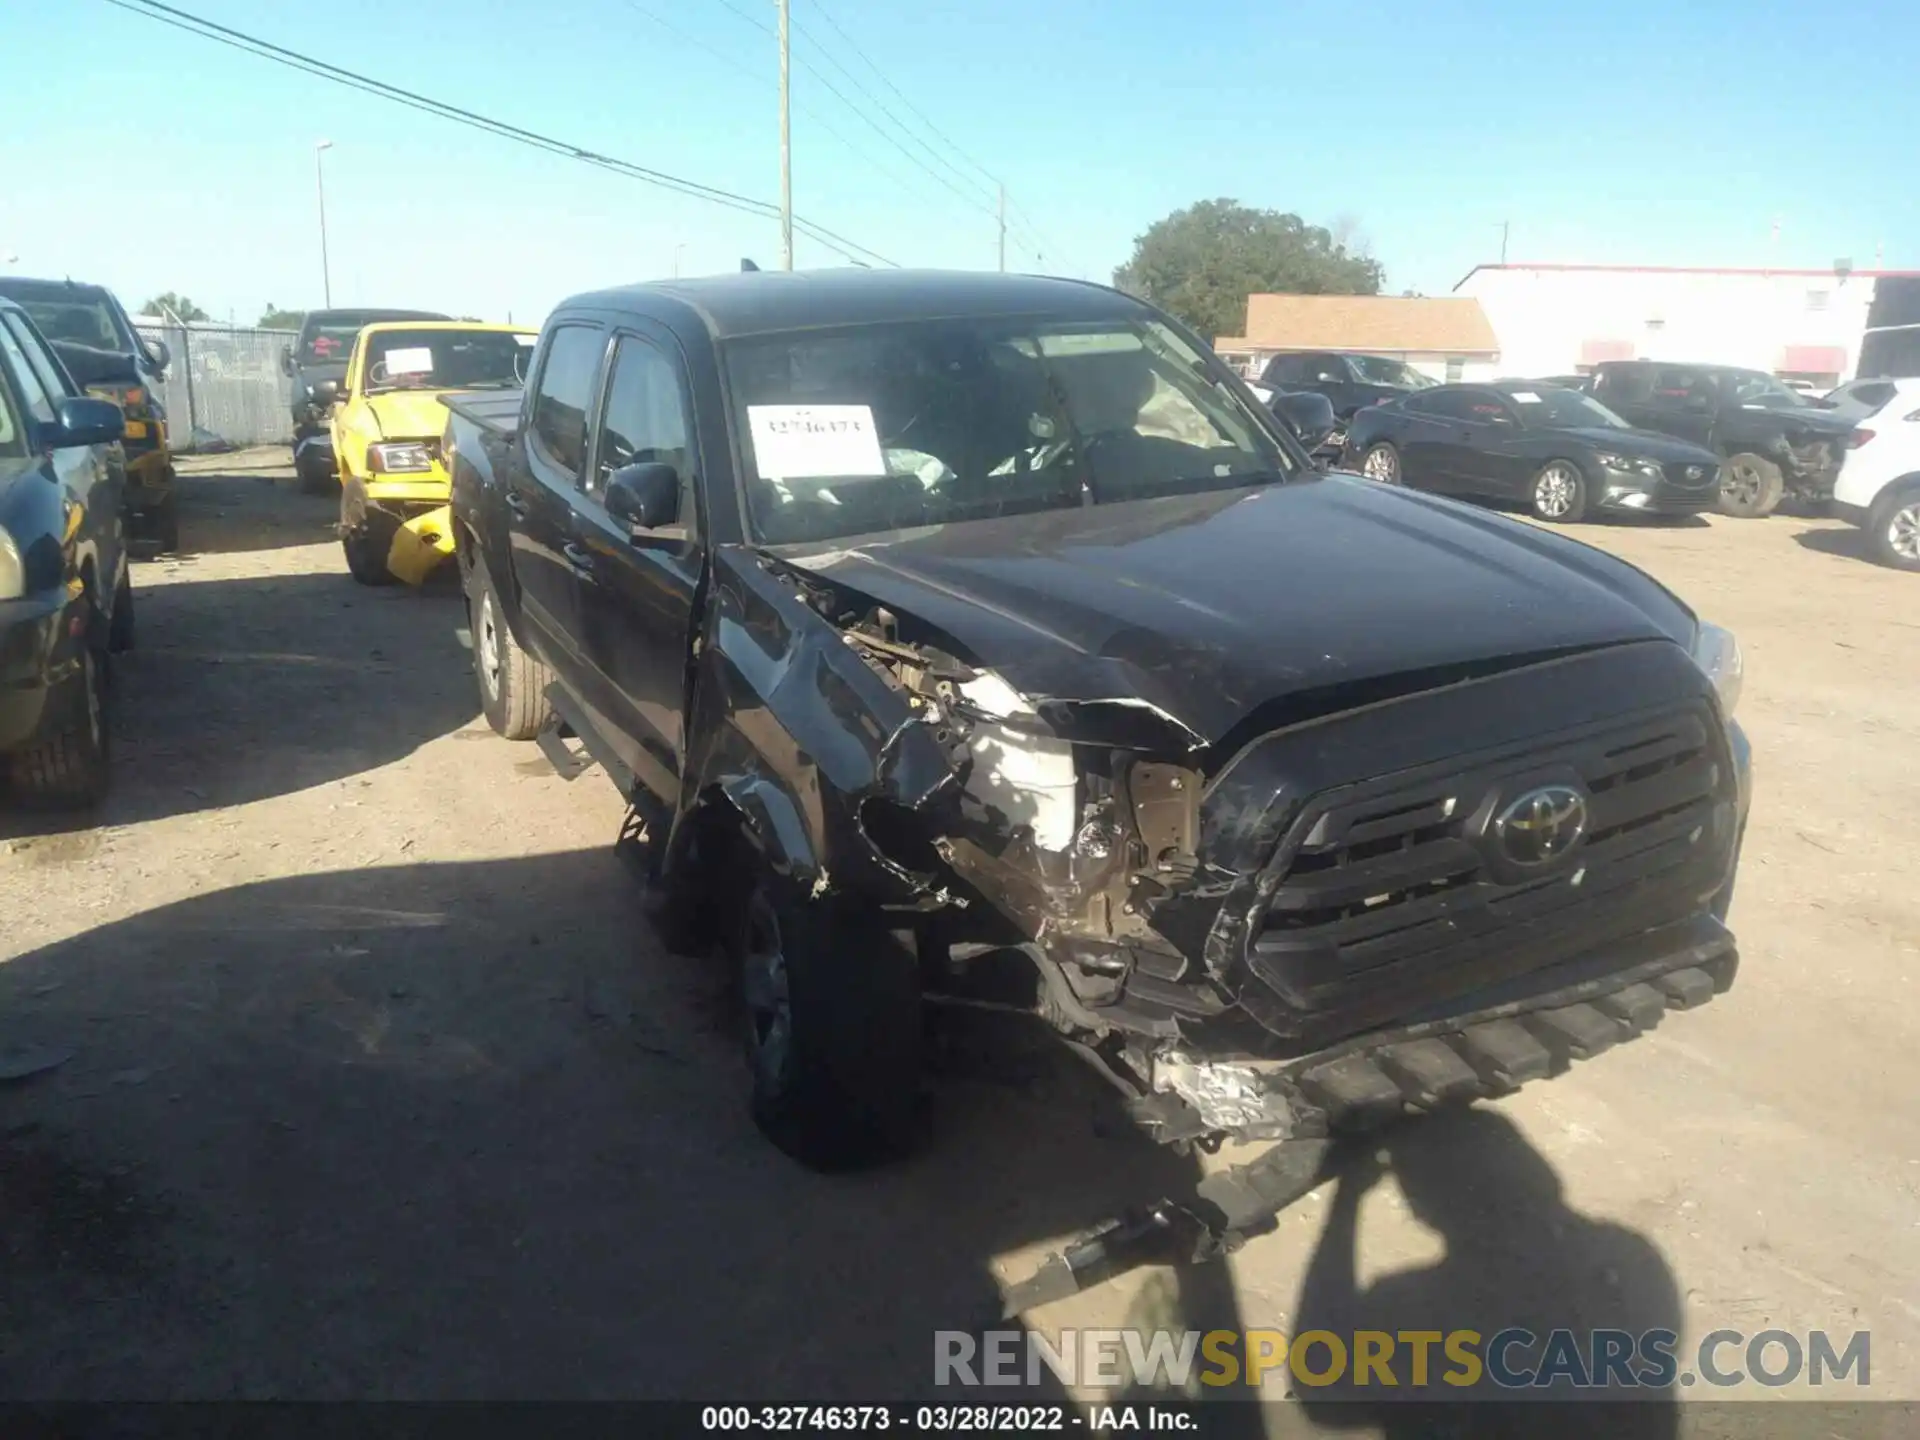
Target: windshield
x=1750 y=387
x=445 y=360
x=890 y=427
x=78 y=321
x=1551 y=409
x=1378 y=370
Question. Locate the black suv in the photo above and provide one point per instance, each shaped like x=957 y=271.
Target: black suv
x=1774 y=442
x=317 y=363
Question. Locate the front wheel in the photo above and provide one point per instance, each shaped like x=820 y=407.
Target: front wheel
x=1894 y=531
x=67 y=766
x=1559 y=493
x=1382 y=463
x=832 y=1032
x=366 y=544
x=1750 y=486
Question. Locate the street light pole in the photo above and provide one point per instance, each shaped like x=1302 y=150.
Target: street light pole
x=676 y=259
x=320 y=187
x=786 y=151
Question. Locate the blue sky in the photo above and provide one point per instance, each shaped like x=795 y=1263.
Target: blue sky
x=1626 y=132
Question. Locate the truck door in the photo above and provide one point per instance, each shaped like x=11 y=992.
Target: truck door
x=541 y=493
x=1688 y=403
x=637 y=592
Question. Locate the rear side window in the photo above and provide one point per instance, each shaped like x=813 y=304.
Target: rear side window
x=1675 y=387
x=566 y=388
x=1283 y=370
x=1624 y=384
x=1445 y=404
x=1874 y=393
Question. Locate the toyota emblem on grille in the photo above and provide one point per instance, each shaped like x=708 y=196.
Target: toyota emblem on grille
x=1541 y=825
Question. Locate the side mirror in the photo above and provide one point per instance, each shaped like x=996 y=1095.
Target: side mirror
x=84 y=421
x=286 y=360
x=159 y=353
x=1308 y=415
x=644 y=496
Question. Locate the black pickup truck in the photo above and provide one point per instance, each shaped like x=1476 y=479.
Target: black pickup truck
x=965 y=637
x=1774 y=442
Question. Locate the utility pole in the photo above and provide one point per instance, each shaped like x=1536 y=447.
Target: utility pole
x=786 y=150
x=320 y=186
x=1504 y=226
x=1003 y=226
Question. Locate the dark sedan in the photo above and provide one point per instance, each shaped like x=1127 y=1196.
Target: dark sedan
x=1560 y=453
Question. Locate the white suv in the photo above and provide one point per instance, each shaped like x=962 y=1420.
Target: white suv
x=1879 y=484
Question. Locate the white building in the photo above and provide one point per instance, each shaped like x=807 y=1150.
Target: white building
x=1797 y=324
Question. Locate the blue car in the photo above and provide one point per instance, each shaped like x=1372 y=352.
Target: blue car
x=66 y=596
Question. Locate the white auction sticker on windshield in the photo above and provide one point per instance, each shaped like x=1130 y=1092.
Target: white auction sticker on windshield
x=1525 y=397
x=526 y=340
x=417 y=361
x=814 y=442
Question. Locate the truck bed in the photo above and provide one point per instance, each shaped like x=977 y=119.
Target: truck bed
x=495 y=411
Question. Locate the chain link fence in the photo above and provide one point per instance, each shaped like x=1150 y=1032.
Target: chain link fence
x=223 y=389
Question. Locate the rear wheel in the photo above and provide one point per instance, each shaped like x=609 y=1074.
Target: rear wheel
x=315 y=477
x=833 y=1024
x=513 y=684
x=1893 y=530
x=1750 y=486
x=120 y=626
x=166 y=525
x=66 y=767
x=1559 y=493
x=1382 y=463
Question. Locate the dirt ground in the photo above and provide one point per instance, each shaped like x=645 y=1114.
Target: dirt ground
x=379 y=1086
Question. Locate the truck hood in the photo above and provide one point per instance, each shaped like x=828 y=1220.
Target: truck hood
x=1207 y=607
x=409 y=414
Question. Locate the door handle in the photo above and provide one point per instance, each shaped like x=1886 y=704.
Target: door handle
x=516 y=503
x=579 y=557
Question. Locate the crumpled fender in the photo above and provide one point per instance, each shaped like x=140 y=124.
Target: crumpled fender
x=420 y=544
x=793 y=732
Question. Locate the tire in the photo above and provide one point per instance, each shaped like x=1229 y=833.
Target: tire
x=366 y=546
x=1750 y=486
x=67 y=766
x=1558 y=494
x=314 y=479
x=831 y=1026
x=513 y=684
x=166 y=526
x=1382 y=463
x=1893 y=529
x=120 y=632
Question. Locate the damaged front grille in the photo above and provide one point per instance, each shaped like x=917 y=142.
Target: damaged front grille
x=1410 y=883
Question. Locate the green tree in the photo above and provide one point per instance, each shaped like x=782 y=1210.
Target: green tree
x=274 y=318
x=1202 y=262
x=169 y=303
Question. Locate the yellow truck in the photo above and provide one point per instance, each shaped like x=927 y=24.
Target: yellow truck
x=386 y=429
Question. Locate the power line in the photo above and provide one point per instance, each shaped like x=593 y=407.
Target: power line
x=733 y=62
x=297 y=60
x=971 y=199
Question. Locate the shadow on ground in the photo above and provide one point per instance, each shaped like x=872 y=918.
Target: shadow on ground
x=241 y=689
x=462 y=1131
x=1845 y=541
x=235 y=511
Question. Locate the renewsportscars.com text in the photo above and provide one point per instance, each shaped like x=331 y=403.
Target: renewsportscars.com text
x=1509 y=1359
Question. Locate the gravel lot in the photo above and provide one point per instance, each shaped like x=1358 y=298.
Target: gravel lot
x=379 y=1085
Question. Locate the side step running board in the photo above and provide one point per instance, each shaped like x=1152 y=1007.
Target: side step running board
x=569 y=763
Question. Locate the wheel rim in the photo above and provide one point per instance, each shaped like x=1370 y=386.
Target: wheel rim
x=487 y=646
x=1380 y=465
x=1741 y=484
x=1903 y=532
x=1553 y=492
x=768 y=996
